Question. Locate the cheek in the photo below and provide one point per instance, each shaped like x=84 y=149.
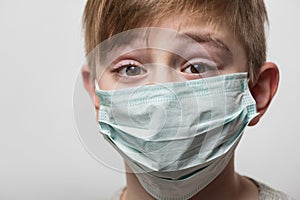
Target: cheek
x=240 y=59
x=107 y=81
x=235 y=68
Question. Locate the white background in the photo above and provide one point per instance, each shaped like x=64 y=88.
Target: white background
x=41 y=156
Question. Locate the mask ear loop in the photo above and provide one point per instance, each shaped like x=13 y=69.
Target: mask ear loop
x=249 y=82
x=248 y=78
x=96 y=85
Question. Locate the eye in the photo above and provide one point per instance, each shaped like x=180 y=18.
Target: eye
x=198 y=68
x=131 y=70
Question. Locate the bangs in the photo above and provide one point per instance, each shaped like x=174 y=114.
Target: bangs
x=105 y=19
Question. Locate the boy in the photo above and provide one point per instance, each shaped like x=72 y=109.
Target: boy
x=174 y=95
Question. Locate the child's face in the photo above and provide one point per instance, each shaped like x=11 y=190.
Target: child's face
x=166 y=56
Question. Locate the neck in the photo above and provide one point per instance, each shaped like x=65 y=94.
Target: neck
x=228 y=185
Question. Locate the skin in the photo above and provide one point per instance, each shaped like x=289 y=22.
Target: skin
x=229 y=184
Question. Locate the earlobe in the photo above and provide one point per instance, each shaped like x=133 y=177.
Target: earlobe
x=89 y=85
x=264 y=89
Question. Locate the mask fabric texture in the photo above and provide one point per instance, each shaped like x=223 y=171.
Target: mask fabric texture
x=177 y=137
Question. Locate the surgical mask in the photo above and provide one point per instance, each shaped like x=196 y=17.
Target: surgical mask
x=177 y=137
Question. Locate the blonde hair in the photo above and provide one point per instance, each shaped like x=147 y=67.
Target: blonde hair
x=246 y=18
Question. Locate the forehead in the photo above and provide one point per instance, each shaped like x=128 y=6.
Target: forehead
x=183 y=44
x=177 y=33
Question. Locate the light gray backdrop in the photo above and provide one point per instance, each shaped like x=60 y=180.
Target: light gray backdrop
x=41 y=156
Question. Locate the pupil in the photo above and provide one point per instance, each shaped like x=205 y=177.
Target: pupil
x=198 y=69
x=194 y=69
x=133 y=70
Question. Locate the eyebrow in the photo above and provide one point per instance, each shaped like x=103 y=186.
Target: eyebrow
x=208 y=38
x=200 y=38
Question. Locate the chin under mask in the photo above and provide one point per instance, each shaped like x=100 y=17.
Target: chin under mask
x=177 y=137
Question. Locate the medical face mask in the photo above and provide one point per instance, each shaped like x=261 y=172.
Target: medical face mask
x=177 y=137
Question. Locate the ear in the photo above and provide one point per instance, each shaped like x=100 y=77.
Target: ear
x=89 y=85
x=264 y=89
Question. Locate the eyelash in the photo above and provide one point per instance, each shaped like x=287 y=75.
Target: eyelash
x=194 y=64
x=207 y=66
x=123 y=65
